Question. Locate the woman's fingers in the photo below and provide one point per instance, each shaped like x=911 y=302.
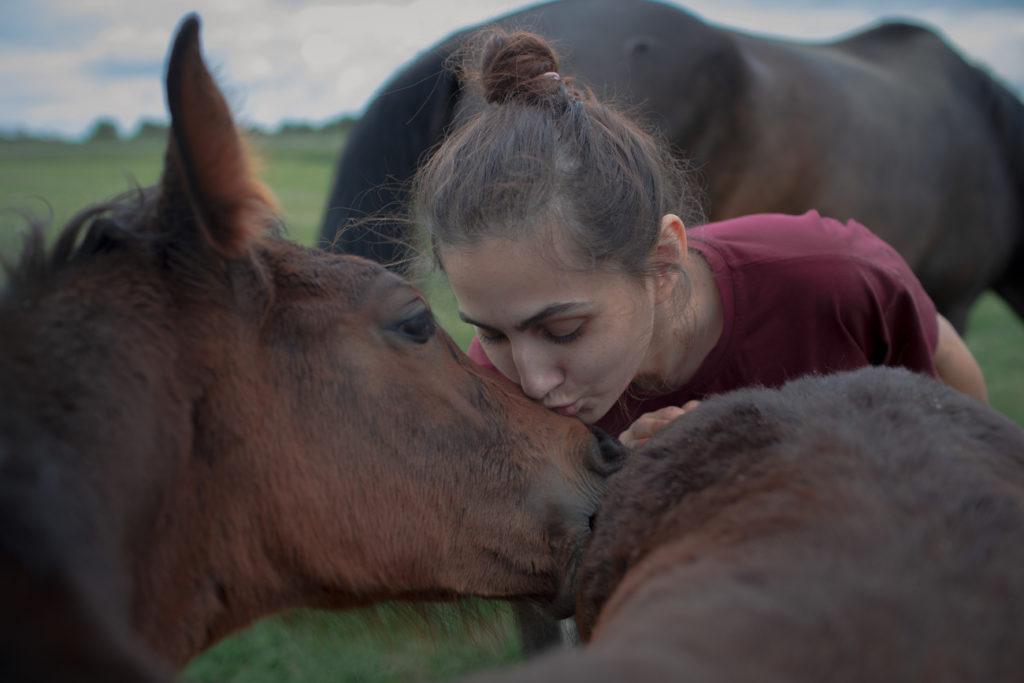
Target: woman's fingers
x=648 y=424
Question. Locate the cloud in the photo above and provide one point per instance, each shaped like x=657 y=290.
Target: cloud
x=65 y=63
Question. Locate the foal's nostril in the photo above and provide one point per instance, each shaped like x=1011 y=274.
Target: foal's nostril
x=606 y=454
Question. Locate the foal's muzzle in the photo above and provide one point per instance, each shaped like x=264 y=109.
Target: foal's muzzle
x=606 y=454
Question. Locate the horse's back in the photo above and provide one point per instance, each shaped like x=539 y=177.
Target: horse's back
x=891 y=127
x=855 y=527
x=617 y=48
x=870 y=523
x=970 y=128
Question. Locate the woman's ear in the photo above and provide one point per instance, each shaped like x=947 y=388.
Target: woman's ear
x=669 y=254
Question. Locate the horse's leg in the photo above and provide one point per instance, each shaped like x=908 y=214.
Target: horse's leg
x=1011 y=288
x=537 y=631
x=569 y=632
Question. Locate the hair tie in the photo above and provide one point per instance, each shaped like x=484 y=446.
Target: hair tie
x=553 y=75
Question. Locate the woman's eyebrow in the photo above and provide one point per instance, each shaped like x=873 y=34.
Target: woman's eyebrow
x=475 y=323
x=545 y=312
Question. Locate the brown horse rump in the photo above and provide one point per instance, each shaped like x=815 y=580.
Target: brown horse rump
x=866 y=526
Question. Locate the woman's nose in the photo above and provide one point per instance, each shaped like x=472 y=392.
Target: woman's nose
x=538 y=375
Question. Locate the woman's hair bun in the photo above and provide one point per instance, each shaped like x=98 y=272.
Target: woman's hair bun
x=519 y=66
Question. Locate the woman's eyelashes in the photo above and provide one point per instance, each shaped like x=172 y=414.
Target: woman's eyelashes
x=555 y=336
x=489 y=336
x=563 y=338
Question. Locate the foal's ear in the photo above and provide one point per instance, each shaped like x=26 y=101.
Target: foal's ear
x=208 y=171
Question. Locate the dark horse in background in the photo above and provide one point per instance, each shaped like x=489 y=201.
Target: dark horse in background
x=201 y=424
x=890 y=127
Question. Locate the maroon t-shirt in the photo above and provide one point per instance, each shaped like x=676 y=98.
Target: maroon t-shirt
x=800 y=295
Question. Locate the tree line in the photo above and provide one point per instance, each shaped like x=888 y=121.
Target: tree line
x=106 y=129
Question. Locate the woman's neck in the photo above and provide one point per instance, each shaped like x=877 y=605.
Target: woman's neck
x=687 y=328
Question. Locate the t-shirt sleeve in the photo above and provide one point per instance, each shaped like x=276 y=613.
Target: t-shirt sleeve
x=912 y=321
x=903 y=328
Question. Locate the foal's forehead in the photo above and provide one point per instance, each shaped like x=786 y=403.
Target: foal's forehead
x=342 y=281
x=317 y=272
x=357 y=275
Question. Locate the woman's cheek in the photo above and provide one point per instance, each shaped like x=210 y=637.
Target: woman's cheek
x=501 y=356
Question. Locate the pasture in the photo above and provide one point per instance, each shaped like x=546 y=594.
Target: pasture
x=386 y=643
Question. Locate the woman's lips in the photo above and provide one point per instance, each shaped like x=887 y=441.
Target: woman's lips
x=568 y=410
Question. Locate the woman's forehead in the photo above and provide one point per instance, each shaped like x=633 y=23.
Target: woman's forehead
x=501 y=282
x=503 y=265
x=544 y=242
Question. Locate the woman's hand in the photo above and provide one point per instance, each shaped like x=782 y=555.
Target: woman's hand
x=649 y=423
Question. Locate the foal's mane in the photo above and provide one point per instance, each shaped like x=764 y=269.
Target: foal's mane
x=96 y=229
x=131 y=218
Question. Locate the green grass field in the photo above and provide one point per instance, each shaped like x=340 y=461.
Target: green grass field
x=387 y=643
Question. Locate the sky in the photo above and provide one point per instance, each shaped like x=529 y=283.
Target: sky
x=64 y=64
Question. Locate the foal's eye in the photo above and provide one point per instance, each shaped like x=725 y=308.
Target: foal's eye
x=419 y=327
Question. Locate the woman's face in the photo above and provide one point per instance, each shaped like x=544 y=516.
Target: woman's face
x=572 y=339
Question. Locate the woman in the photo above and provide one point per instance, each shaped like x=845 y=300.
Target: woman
x=560 y=225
